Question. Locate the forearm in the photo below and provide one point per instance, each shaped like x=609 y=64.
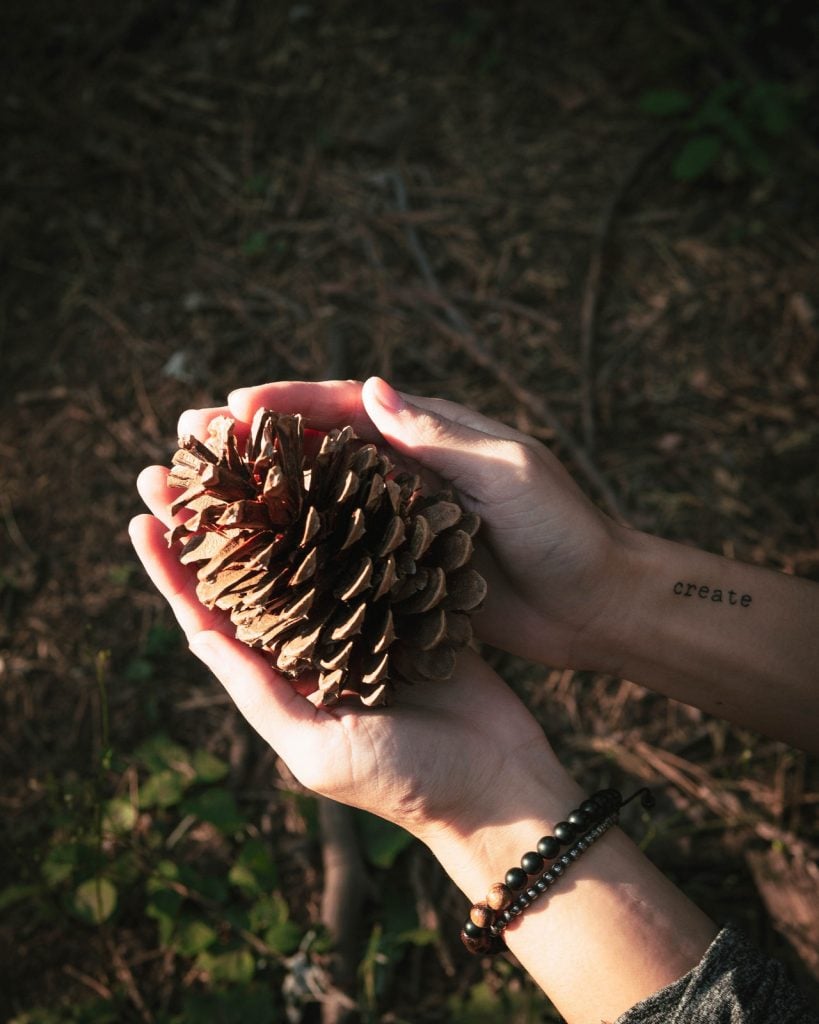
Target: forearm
x=611 y=932
x=735 y=640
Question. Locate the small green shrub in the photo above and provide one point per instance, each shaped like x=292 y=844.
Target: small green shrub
x=736 y=130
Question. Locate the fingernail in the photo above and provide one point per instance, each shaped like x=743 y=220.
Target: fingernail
x=236 y=395
x=386 y=396
x=182 y=427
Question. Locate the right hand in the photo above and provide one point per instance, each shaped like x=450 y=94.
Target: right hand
x=551 y=558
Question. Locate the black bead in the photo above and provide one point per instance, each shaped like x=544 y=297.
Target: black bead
x=592 y=809
x=541 y=885
x=531 y=862
x=564 y=832
x=507 y=915
x=473 y=931
x=557 y=868
x=532 y=894
x=548 y=847
x=578 y=819
x=516 y=878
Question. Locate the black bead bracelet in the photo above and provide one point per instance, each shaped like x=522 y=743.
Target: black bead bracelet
x=542 y=868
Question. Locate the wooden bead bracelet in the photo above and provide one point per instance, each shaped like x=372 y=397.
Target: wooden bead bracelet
x=506 y=900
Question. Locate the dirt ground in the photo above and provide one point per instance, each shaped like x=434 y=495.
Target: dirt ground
x=476 y=202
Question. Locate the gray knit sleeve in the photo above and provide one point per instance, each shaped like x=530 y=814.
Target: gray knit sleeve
x=734 y=983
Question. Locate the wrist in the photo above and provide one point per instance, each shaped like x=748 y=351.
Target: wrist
x=478 y=847
x=605 y=642
x=611 y=932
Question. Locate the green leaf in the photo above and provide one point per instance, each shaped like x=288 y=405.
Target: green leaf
x=665 y=102
x=16 y=894
x=164 y=903
x=382 y=841
x=164 y=872
x=772 y=108
x=418 y=937
x=94 y=900
x=160 y=751
x=162 y=789
x=217 y=806
x=214 y=887
x=163 y=906
x=126 y=869
x=268 y=911
x=283 y=938
x=161 y=641
x=254 y=1004
x=208 y=767
x=696 y=157
x=119 y=815
x=139 y=670
x=194 y=936
x=60 y=863
x=269 y=917
x=236 y=966
x=254 y=870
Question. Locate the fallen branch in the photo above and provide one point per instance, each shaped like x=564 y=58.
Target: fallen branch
x=345 y=887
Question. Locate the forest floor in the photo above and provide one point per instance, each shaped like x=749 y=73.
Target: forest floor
x=598 y=224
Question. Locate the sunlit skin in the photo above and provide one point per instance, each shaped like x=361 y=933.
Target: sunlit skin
x=464 y=766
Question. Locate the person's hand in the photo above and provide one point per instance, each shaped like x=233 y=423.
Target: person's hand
x=445 y=756
x=549 y=555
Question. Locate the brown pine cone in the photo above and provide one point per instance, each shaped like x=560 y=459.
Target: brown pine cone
x=332 y=562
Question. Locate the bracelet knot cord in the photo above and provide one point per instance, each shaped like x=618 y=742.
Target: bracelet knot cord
x=542 y=868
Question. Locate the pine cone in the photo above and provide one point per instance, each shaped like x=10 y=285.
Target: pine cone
x=332 y=562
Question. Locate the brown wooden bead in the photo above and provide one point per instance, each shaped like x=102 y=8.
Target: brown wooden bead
x=477 y=947
x=482 y=915
x=499 y=896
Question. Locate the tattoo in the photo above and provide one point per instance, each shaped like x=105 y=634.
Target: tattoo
x=708 y=593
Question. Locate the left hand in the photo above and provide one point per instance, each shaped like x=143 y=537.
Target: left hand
x=445 y=755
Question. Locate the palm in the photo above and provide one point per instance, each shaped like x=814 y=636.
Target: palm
x=427 y=759
x=430 y=757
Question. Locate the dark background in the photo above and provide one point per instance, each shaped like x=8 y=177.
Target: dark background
x=595 y=222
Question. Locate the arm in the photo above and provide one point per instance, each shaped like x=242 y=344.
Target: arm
x=465 y=768
x=736 y=640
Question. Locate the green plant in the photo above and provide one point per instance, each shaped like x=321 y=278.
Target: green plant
x=175 y=854
x=735 y=128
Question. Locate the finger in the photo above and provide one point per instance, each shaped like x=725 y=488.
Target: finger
x=195 y=421
x=176 y=582
x=468 y=457
x=324 y=404
x=152 y=484
x=464 y=416
x=265 y=698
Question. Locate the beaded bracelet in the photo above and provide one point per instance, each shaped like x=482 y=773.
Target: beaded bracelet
x=506 y=900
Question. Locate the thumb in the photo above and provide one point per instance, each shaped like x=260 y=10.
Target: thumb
x=461 y=453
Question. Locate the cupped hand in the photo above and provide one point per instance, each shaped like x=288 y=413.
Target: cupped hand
x=550 y=556
x=443 y=756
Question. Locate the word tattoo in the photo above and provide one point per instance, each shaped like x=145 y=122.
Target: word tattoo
x=715 y=594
